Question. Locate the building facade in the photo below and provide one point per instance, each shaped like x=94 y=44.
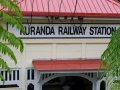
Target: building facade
x=64 y=41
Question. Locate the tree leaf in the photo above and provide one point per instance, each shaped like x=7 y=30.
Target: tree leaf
x=11 y=39
x=7 y=51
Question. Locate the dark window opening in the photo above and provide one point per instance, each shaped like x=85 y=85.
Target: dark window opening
x=28 y=74
x=30 y=87
x=32 y=74
x=17 y=74
x=14 y=75
x=6 y=78
x=102 y=85
x=10 y=76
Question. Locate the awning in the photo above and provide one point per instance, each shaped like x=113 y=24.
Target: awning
x=66 y=65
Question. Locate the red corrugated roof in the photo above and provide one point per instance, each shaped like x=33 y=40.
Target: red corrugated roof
x=66 y=65
x=85 y=8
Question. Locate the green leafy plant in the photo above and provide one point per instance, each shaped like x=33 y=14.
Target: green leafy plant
x=111 y=57
x=115 y=85
x=9 y=13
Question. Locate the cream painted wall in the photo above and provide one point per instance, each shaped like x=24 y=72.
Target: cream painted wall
x=37 y=51
x=42 y=51
x=95 y=50
x=68 y=51
x=57 y=49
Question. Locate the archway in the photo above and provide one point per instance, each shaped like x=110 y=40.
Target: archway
x=102 y=85
x=74 y=82
x=30 y=87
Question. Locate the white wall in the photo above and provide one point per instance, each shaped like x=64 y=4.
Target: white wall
x=95 y=50
x=48 y=51
x=10 y=89
x=56 y=51
x=68 y=51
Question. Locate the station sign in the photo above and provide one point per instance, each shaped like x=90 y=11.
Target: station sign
x=66 y=30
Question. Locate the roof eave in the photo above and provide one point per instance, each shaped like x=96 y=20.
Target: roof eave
x=62 y=14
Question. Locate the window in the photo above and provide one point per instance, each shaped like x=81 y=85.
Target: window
x=14 y=75
x=11 y=79
x=18 y=75
x=30 y=74
x=6 y=73
x=30 y=87
x=102 y=85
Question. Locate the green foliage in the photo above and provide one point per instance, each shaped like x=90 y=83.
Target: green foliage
x=11 y=14
x=115 y=85
x=111 y=57
x=11 y=39
x=11 y=5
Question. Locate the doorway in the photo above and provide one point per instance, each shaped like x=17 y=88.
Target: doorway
x=73 y=82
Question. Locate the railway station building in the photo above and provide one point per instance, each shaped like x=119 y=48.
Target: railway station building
x=64 y=41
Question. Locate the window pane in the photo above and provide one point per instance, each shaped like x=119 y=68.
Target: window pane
x=17 y=74
x=32 y=74
x=14 y=75
x=6 y=78
x=28 y=74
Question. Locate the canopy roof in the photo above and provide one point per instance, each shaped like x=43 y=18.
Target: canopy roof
x=67 y=65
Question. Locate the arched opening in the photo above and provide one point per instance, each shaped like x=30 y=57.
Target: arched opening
x=30 y=87
x=74 y=83
x=102 y=85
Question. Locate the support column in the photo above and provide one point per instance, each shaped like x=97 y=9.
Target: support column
x=40 y=86
x=23 y=75
x=40 y=81
x=94 y=85
x=98 y=84
x=37 y=80
x=23 y=79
